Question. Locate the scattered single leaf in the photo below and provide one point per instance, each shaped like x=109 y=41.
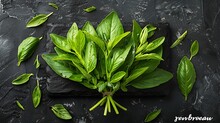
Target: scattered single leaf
x=186 y=76
x=53 y=5
x=37 y=62
x=175 y=43
x=19 y=105
x=90 y=9
x=36 y=95
x=22 y=79
x=38 y=20
x=152 y=115
x=61 y=112
x=27 y=48
x=194 y=49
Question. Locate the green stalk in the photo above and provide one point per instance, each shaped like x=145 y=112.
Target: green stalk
x=113 y=105
x=120 y=106
x=98 y=103
x=106 y=107
x=108 y=103
x=103 y=102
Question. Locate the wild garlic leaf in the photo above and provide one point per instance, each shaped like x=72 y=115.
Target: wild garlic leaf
x=53 y=5
x=117 y=76
x=90 y=57
x=89 y=29
x=61 y=69
x=113 y=43
x=186 y=76
x=27 y=48
x=60 y=42
x=37 y=62
x=178 y=40
x=90 y=9
x=194 y=49
x=38 y=20
x=110 y=27
x=19 y=105
x=136 y=30
x=154 y=79
x=22 y=79
x=60 y=111
x=152 y=115
x=36 y=95
x=154 y=44
x=143 y=35
x=148 y=56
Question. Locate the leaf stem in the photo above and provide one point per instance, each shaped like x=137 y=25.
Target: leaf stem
x=106 y=107
x=113 y=105
x=98 y=103
x=108 y=103
x=120 y=106
x=49 y=14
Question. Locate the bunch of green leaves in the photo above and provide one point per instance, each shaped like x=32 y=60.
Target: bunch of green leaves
x=107 y=59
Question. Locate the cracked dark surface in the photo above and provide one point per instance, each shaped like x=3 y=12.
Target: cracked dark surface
x=200 y=17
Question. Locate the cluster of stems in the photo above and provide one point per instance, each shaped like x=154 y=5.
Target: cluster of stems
x=108 y=101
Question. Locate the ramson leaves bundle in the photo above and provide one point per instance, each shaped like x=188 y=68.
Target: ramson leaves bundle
x=108 y=59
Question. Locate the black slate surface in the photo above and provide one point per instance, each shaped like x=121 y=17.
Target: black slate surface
x=200 y=17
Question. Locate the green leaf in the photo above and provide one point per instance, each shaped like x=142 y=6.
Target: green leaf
x=143 y=35
x=53 y=5
x=38 y=20
x=89 y=29
x=61 y=69
x=36 y=95
x=194 y=49
x=155 y=44
x=136 y=30
x=151 y=30
x=19 y=105
x=97 y=40
x=22 y=79
x=90 y=57
x=60 y=42
x=37 y=62
x=152 y=115
x=186 y=76
x=148 y=56
x=117 y=76
x=61 y=112
x=177 y=42
x=110 y=27
x=90 y=9
x=101 y=86
x=153 y=79
x=27 y=48
x=118 y=58
x=113 y=43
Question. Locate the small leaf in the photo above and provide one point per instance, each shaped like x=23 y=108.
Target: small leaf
x=90 y=9
x=89 y=29
x=90 y=57
x=151 y=30
x=177 y=42
x=148 y=56
x=53 y=5
x=186 y=76
x=154 y=44
x=154 y=79
x=152 y=115
x=117 y=76
x=27 y=48
x=37 y=62
x=38 y=20
x=143 y=35
x=61 y=112
x=194 y=49
x=136 y=30
x=36 y=95
x=22 y=79
x=19 y=105
x=101 y=86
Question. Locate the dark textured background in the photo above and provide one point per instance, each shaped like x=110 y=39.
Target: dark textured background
x=200 y=17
